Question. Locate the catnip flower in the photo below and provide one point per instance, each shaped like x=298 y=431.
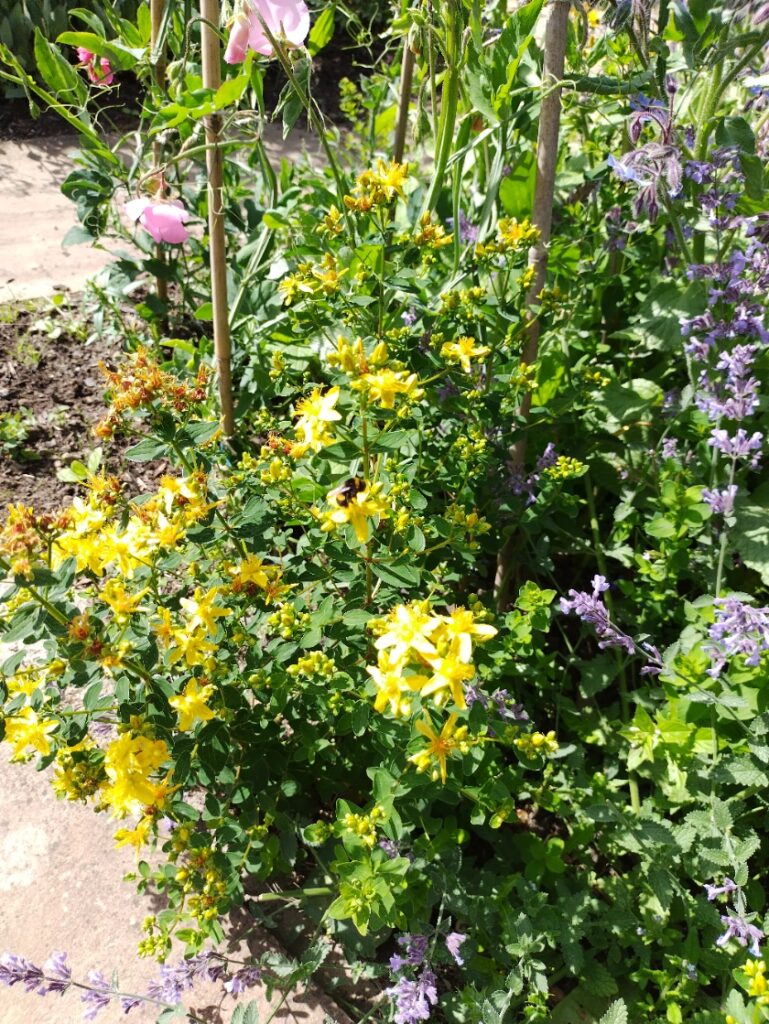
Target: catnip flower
x=414 y=999
x=728 y=887
x=97 y=998
x=721 y=502
x=164 y=219
x=287 y=20
x=415 y=950
x=243 y=979
x=746 y=934
x=454 y=942
x=738 y=446
x=739 y=629
x=97 y=68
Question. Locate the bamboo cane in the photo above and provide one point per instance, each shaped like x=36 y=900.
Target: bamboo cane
x=542 y=219
x=209 y=10
x=158 y=59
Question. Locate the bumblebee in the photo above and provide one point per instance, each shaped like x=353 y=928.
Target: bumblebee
x=348 y=490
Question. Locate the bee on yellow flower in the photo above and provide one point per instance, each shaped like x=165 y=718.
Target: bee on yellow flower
x=463 y=351
x=358 y=509
x=451 y=740
x=192 y=704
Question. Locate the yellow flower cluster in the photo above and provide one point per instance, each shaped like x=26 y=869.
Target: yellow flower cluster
x=26 y=729
x=565 y=468
x=322 y=278
x=536 y=744
x=252 y=574
x=316 y=663
x=364 y=825
x=190 y=642
x=381 y=383
x=351 y=358
x=129 y=762
x=377 y=187
x=431 y=235
x=463 y=351
x=79 y=771
x=512 y=236
x=421 y=652
x=357 y=507
x=462 y=302
x=97 y=540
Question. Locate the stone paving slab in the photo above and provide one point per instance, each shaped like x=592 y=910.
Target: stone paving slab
x=35 y=216
x=62 y=888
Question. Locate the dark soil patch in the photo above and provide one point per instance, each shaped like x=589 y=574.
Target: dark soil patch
x=59 y=383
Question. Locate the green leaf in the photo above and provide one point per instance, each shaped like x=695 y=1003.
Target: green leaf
x=322 y=31
x=750 y=533
x=146 y=450
x=616 y=1014
x=399 y=574
x=735 y=131
x=57 y=73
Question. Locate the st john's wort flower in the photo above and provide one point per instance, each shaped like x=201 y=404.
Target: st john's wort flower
x=287 y=20
x=164 y=219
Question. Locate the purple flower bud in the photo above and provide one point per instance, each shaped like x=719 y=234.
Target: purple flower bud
x=98 y=996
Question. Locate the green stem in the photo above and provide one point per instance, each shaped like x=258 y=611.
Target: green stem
x=724 y=538
x=444 y=140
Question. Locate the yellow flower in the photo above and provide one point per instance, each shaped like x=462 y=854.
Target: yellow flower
x=192 y=704
x=190 y=645
x=129 y=761
x=136 y=836
x=315 y=413
x=440 y=746
x=392 y=686
x=383 y=386
x=448 y=674
x=357 y=510
x=253 y=570
x=463 y=350
x=120 y=600
x=409 y=627
x=26 y=729
x=460 y=628
x=201 y=610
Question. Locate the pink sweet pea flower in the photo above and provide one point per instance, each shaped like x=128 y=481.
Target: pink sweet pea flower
x=237 y=44
x=288 y=20
x=164 y=219
x=98 y=69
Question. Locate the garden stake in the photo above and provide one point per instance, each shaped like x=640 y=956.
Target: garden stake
x=159 y=70
x=542 y=219
x=209 y=10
